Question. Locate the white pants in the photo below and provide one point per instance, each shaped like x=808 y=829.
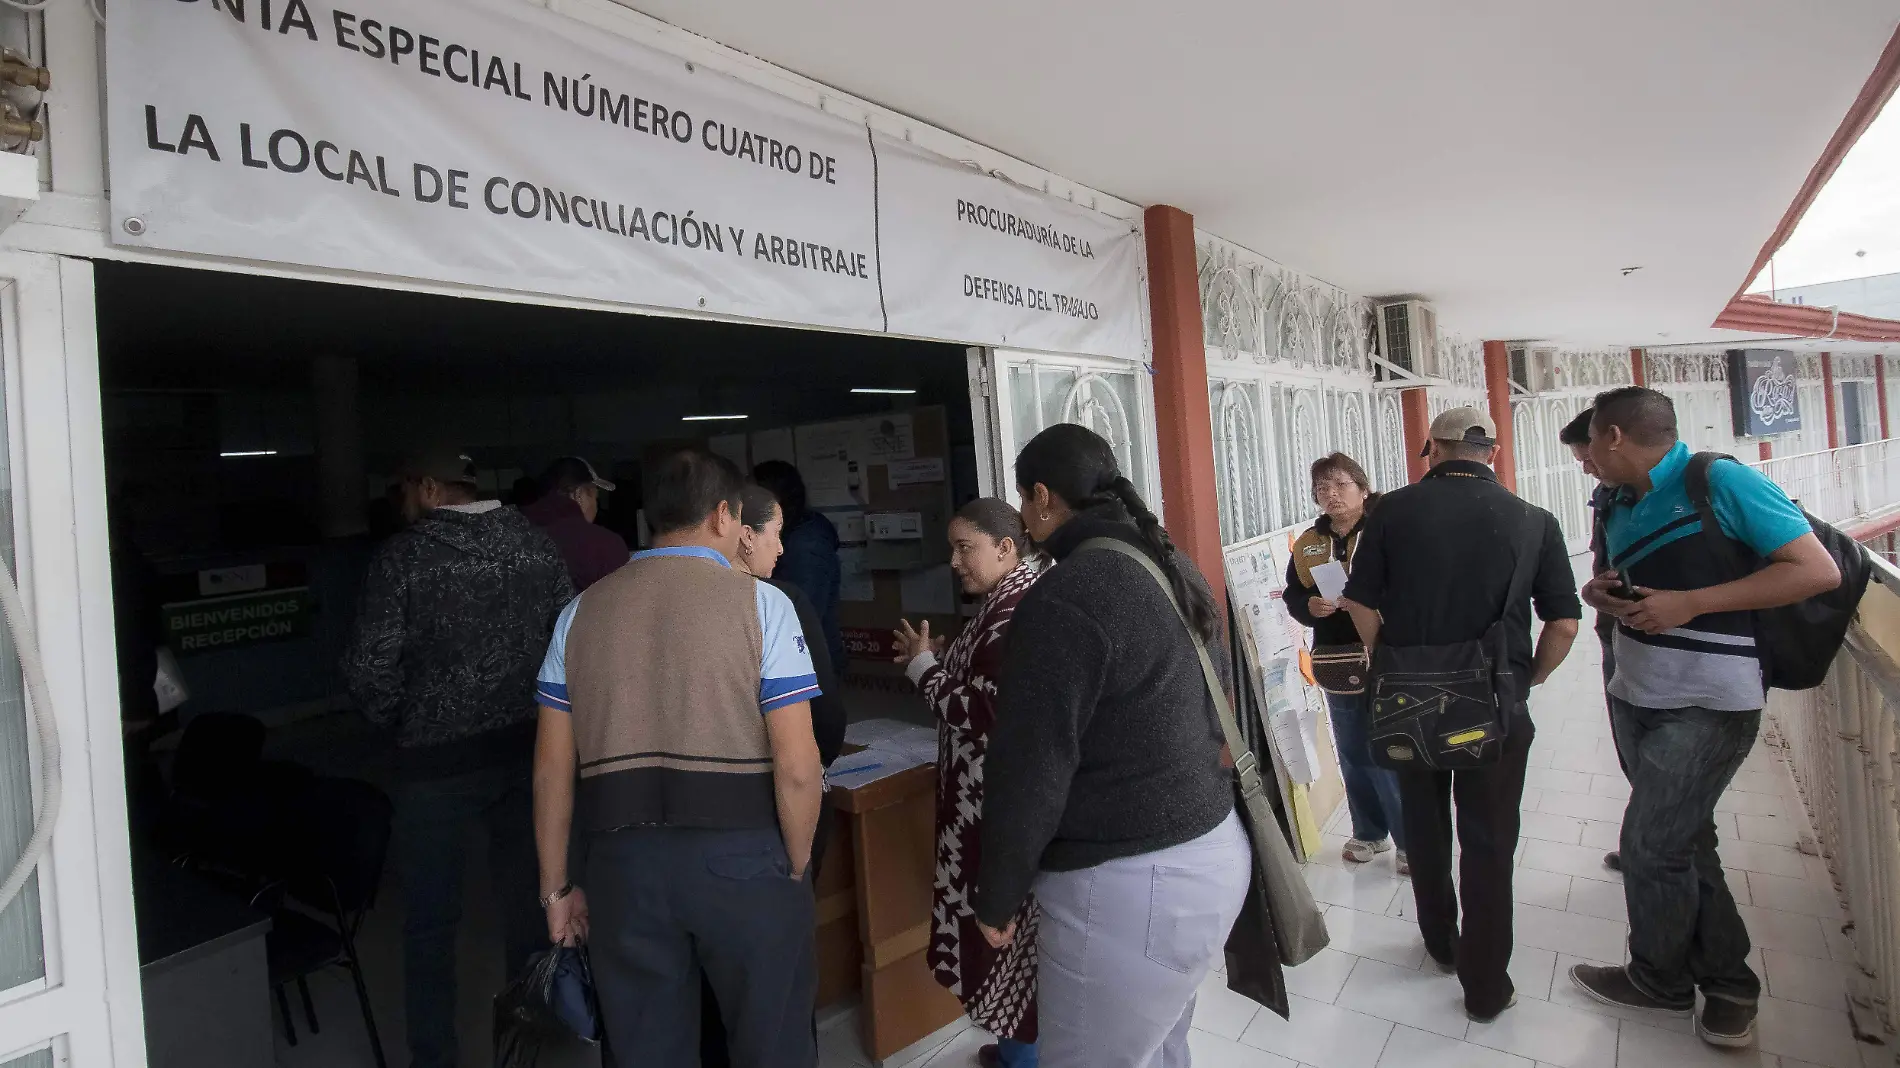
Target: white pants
x=1125 y=945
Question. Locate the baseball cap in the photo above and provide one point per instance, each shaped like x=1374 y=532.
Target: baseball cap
x=1466 y=424
x=444 y=463
x=574 y=471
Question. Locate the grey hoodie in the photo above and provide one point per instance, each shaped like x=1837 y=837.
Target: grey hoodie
x=454 y=621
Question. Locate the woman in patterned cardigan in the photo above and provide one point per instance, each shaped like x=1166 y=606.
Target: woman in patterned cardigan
x=997 y=987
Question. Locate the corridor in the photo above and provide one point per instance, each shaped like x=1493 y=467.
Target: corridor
x=1366 y=1003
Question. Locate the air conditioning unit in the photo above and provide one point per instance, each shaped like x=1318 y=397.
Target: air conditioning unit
x=1533 y=368
x=1408 y=336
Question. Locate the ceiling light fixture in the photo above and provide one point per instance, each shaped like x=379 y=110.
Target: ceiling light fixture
x=250 y=452
x=884 y=391
x=710 y=418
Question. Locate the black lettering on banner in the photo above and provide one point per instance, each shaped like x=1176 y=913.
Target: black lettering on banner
x=458 y=189
x=151 y=132
x=448 y=67
x=334 y=176
x=497 y=74
x=359 y=169
x=247 y=157
x=534 y=200
x=373 y=46
x=197 y=136
x=277 y=141
x=1011 y=225
x=521 y=91
x=555 y=204
x=427 y=54
x=296 y=16
x=488 y=195
x=431 y=193
x=382 y=178
x=345 y=33
x=401 y=43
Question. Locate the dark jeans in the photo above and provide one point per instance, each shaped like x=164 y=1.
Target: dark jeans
x=1684 y=929
x=669 y=902
x=1488 y=799
x=432 y=820
x=1372 y=792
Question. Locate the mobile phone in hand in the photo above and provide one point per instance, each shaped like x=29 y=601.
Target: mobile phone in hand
x=1623 y=590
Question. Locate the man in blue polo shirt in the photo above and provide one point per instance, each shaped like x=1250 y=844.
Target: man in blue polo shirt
x=679 y=690
x=1686 y=700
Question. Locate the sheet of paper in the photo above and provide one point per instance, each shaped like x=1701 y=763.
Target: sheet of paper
x=889 y=437
x=890 y=746
x=855 y=582
x=929 y=590
x=1330 y=579
x=858 y=769
x=850 y=524
x=916 y=472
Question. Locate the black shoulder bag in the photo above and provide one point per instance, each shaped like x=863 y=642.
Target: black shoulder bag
x=1448 y=707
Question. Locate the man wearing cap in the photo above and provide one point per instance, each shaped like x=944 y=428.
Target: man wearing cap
x=1434 y=567
x=455 y=617
x=568 y=505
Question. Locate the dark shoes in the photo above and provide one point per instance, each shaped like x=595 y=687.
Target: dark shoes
x=1612 y=986
x=989 y=1056
x=1508 y=1002
x=1726 y=1023
x=1613 y=861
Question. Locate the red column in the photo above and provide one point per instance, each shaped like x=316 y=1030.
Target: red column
x=1638 y=373
x=1766 y=448
x=1417 y=417
x=1827 y=387
x=1497 y=389
x=1184 y=426
x=1880 y=389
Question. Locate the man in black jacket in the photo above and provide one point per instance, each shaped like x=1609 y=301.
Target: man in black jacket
x=455 y=619
x=1434 y=568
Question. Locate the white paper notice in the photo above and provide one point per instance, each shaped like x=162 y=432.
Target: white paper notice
x=1330 y=579
x=888 y=438
x=854 y=579
x=916 y=472
x=850 y=526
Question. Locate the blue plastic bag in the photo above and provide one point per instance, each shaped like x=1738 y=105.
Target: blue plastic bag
x=549 y=1016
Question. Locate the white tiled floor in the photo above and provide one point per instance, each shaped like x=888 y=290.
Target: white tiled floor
x=1372 y=1001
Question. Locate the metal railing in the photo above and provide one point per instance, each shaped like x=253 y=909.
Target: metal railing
x=1840 y=484
x=1842 y=742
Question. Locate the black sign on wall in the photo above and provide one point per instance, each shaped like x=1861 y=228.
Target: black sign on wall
x=1762 y=393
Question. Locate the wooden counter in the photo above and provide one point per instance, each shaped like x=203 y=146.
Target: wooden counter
x=874 y=910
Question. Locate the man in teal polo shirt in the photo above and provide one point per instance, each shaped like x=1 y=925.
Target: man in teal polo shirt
x=1686 y=700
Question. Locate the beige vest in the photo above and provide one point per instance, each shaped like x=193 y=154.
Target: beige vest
x=663 y=675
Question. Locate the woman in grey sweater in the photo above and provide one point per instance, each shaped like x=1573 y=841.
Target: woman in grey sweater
x=1108 y=793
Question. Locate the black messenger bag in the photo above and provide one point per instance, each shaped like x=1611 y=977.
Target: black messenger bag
x=1448 y=707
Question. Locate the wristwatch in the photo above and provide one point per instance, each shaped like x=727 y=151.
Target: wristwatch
x=547 y=900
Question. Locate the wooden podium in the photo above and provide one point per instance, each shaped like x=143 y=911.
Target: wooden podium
x=874 y=910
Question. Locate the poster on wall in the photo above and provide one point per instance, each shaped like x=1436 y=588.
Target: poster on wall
x=499 y=144
x=1763 y=394
x=971 y=256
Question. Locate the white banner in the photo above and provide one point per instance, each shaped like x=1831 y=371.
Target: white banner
x=975 y=258
x=496 y=144
x=487 y=143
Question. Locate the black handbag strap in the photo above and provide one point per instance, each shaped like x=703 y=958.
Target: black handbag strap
x=1246 y=764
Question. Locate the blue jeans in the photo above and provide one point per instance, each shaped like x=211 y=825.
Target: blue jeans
x=1685 y=931
x=431 y=822
x=1013 y=1054
x=1372 y=792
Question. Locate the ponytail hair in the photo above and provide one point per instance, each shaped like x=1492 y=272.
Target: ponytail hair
x=1078 y=466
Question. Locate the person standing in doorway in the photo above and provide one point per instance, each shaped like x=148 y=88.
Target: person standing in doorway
x=1576 y=436
x=1105 y=791
x=455 y=618
x=1343 y=492
x=567 y=509
x=680 y=688
x=811 y=550
x=1435 y=566
x=1686 y=700
x=989 y=553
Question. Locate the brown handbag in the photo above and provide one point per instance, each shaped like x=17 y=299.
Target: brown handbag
x=1341 y=669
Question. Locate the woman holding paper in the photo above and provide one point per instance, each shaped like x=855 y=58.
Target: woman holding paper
x=1314 y=579
x=997 y=987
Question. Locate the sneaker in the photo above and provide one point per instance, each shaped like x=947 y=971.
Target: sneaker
x=1612 y=986
x=1475 y=1018
x=1726 y=1023
x=1358 y=850
x=1613 y=861
x=1402 y=863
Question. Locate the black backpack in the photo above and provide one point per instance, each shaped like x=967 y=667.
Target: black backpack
x=1797 y=642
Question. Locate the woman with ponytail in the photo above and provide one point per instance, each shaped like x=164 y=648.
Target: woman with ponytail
x=1107 y=793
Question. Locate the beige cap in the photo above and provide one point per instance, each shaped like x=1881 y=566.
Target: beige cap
x=1466 y=424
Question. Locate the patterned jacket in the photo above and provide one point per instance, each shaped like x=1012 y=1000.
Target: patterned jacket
x=455 y=618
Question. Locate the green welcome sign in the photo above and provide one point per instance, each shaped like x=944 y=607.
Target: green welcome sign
x=218 y=623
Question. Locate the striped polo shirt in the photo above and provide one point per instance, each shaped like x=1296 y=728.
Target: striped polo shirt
x=1710 y=661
